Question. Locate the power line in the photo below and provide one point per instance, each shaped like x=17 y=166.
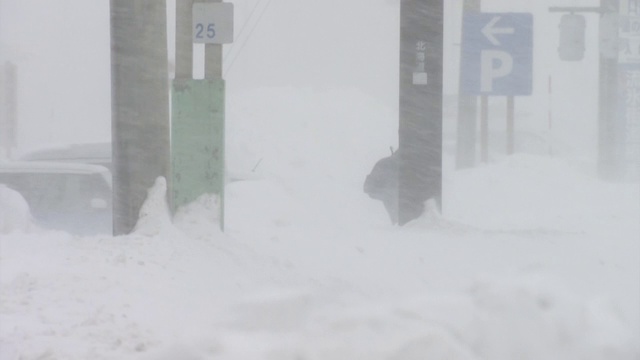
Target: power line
x=264 y=10
x=244 y=27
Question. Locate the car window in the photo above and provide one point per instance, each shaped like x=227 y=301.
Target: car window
x=47 y=192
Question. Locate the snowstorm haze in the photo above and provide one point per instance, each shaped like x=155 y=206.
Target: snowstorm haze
x=61 y=45
x=279 y=234
x=302 y=44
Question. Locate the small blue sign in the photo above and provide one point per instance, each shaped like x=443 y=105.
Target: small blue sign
x=497 y=54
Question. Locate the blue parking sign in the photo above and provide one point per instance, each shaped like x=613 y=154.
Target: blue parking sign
x=497 y=54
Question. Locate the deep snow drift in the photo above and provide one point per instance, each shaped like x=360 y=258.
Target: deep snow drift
x=532 y=258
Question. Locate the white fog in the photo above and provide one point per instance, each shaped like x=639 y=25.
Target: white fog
x=530 y=254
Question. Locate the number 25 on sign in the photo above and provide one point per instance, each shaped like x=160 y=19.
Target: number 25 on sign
x=212 y=23
x=201 y=33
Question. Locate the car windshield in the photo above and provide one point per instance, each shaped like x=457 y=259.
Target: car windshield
x=64 y=192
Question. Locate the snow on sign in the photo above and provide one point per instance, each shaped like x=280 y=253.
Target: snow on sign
x=497 y=52
x=213 y=23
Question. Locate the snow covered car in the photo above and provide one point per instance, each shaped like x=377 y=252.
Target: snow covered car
x=86 y=153
x=63 y=196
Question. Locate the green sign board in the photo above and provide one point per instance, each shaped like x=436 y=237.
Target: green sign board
x=197 y=141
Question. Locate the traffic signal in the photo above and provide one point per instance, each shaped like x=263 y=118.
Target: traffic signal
x=572 y=29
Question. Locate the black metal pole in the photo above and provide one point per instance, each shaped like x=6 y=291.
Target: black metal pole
x=420 y=131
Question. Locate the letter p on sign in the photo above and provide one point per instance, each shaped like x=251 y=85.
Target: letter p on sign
x=495 y=64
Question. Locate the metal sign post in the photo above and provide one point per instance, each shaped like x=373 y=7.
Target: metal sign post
x=198 y=112
x=421 y=57
x=467 y=112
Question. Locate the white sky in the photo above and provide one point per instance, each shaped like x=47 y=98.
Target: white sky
x=64 y=61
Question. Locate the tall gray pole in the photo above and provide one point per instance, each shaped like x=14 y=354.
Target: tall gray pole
x=420 y=131
x=609 y=159
x=140 y=110
x=467 y=111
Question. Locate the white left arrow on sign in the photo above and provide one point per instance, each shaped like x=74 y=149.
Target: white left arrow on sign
x=489 y=30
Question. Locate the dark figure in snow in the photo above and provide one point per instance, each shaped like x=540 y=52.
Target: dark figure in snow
x=382 y=183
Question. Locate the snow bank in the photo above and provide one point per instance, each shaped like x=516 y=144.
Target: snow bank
x=154 y=213
x=499 y=320
x=201 y=218
x=529 y=192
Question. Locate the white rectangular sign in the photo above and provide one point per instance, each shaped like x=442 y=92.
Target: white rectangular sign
x=213 y=23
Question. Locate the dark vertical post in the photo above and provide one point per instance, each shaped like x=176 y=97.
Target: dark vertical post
x=484 y=128
x=213 y=57
x=608 y=159
x=213 y=72
x=510 y=125
x=140 y=110
x=467 y=111
x=184 y=42
x=9 y=106
x=420 y=131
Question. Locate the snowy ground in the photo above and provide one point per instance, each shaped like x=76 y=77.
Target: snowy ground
x=532 y=258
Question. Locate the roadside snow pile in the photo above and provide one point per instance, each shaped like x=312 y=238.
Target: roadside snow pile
x=174 y=297
x=201 y=218
x=14 y=212
x=528 y=192
x=154 y=213
x=529 y=259
x=497 y=320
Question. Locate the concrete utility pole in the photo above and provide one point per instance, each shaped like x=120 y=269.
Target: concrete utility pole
x=140 y=104
x=467 y=111
x=420 y=131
